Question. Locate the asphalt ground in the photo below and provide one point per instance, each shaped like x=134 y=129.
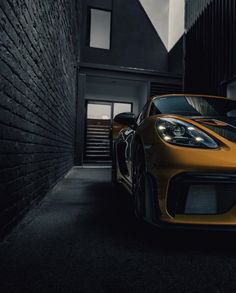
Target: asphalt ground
x=84 y=237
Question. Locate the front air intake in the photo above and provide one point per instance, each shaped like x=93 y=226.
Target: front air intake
x=201 y=194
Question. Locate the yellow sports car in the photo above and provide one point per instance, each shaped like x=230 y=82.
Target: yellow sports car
x=178 y=160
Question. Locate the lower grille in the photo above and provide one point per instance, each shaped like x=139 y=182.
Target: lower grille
x=201 y=194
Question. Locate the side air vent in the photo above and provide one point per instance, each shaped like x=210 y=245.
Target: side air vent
x=162 y=88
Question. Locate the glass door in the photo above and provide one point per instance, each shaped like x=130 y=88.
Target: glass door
x=99 y=118
x=99 y=113
x=121 y=107
x=98 y=123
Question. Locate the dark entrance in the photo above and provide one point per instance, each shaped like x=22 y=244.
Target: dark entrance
x=99 y=117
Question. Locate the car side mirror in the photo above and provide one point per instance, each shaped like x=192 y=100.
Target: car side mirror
x=127 y=118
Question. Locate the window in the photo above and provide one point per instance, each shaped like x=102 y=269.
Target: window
x=121 y=107
x=100 y=28
x=99 y=111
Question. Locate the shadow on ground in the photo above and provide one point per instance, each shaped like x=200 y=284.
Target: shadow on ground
x=113 y=213
x=84 y=237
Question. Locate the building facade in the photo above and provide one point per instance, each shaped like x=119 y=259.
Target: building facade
x=124 y=59
x=210 y=44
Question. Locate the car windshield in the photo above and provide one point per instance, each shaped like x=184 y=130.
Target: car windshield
x=194 y=106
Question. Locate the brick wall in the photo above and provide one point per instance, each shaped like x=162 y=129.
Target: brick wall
x=38 y=52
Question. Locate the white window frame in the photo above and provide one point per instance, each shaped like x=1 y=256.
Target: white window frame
x=95 y=29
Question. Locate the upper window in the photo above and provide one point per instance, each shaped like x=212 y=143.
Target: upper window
x=100 y=28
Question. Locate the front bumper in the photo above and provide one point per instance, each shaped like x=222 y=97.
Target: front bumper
x=196 y=227
x=175 y=168
x=201 y=193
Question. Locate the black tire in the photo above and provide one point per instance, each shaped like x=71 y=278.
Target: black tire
x=139 y=173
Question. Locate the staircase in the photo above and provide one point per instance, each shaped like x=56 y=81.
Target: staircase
x=97 y=146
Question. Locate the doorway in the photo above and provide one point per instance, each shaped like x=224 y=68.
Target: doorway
x=99 y=118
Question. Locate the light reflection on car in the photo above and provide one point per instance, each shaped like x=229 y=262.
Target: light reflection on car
x=178 y=161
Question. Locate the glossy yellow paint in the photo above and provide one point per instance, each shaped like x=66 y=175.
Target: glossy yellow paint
x=164 y=161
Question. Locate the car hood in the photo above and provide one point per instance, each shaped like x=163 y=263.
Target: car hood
x=223 y=126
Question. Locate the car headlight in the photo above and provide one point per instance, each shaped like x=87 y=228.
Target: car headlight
x=178 y=132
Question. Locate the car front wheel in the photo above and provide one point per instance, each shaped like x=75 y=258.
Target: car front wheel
x=139 y=175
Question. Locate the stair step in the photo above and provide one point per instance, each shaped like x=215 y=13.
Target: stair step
x=97 y=139
x=98 y=126
x=98 y=152
x=97 y=156
x=97 y=136
x=97 y=146
x=98 y=142
x=98 y=162
x=98 y=129
x=107 y=134
x=98 y=149
x=98 y=133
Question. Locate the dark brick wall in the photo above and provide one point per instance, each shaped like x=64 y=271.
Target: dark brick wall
x=38 y=54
